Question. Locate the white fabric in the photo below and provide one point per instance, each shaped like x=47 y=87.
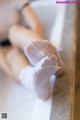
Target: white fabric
x=46 y=61
x=33 y=53
x=39 y=49
x=38 y=78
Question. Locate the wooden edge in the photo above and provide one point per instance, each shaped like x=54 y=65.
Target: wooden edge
x=72 y=90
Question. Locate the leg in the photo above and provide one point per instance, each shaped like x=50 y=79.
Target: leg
x=12 y=68
x=4 y=63
x=20 y=36
x=32 y=20
x=17 y=61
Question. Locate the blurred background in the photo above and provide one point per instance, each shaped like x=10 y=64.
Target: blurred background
x=61 y=24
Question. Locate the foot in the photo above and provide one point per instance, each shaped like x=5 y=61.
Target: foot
x=38 y=49
x=39 y=76
x=44 y=70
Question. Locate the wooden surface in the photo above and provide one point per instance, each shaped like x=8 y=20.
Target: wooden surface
x=63 y=97
x=77 y=75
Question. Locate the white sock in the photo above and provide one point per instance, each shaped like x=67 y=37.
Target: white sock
x=33 y=54
x=38 y=78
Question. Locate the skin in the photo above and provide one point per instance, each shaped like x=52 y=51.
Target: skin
x=12 y=59
x=17 y=20
x=26 y=16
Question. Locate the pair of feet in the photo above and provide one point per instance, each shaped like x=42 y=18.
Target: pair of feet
x=38 y=77
x=46 y=62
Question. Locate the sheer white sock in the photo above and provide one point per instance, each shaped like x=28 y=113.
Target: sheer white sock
x=33 y=53
x=39 y=49
x=38 y=78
